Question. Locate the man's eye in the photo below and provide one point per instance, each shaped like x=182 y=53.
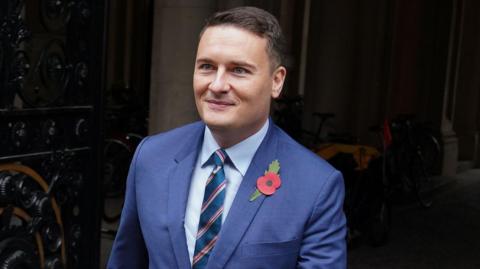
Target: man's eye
x=206 y=67
x=240 y=70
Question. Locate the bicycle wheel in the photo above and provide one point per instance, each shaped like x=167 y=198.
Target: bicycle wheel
x=380 y=222
x=422 y=181
x=379 y=209
x=430 y=149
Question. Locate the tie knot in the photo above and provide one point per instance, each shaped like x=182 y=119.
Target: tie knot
x=219 y=157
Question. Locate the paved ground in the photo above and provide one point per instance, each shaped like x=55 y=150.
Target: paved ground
x=447 y=235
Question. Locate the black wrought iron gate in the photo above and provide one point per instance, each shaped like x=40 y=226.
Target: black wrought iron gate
x=50 y=107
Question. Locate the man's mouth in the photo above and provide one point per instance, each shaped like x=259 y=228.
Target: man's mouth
x=218 y=104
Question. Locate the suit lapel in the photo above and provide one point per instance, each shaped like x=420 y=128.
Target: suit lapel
x=242 y=210
x=179 y=184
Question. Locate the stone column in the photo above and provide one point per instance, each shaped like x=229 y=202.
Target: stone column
x=468 y=87
x=449 y=137
x=438 y=74
x=329 y=76
x=176 y=27
x=477 y=137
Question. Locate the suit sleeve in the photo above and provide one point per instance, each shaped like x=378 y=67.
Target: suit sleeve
x=324 y=244
x=129 y=249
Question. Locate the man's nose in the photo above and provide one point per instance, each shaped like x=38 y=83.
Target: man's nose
x=220 y=83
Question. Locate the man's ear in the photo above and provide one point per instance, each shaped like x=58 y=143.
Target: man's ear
x=278 y=80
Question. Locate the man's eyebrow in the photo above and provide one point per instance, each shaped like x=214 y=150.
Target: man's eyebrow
x=203 y=60
x=234 y=63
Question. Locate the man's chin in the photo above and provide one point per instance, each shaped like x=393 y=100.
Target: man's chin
x=214 y=119
x=218 y=125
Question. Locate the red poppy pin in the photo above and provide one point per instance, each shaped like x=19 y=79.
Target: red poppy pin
x=269 y=182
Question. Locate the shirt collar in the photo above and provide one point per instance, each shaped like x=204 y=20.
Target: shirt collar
x=240 y=154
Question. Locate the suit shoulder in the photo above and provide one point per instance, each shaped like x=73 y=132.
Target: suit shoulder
x=170 y=141
x=308 y=167
x=174 y=134
x=181 y=130
x=306 y=157
x=306 y=177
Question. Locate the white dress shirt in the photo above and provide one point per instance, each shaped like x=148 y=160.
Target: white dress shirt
x=240 y=156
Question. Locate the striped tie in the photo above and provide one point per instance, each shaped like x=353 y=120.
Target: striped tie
x=211 y=214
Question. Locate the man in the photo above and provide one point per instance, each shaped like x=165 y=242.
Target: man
x=269 y=202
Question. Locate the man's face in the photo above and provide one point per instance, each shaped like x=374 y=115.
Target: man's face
x=233 y=80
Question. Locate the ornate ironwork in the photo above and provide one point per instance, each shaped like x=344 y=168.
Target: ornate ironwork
x=49 y=81
x=50 y=76
x=55 y=14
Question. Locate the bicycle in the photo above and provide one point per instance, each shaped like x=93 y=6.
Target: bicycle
x=288 y=116
x=410 y=156
x=366 y=207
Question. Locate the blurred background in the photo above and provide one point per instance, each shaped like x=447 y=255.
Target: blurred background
x=387 y=91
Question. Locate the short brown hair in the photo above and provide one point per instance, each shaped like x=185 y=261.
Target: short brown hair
x=257 y=21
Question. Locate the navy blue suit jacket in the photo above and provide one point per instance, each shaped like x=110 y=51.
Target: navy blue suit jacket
x=302 y=225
